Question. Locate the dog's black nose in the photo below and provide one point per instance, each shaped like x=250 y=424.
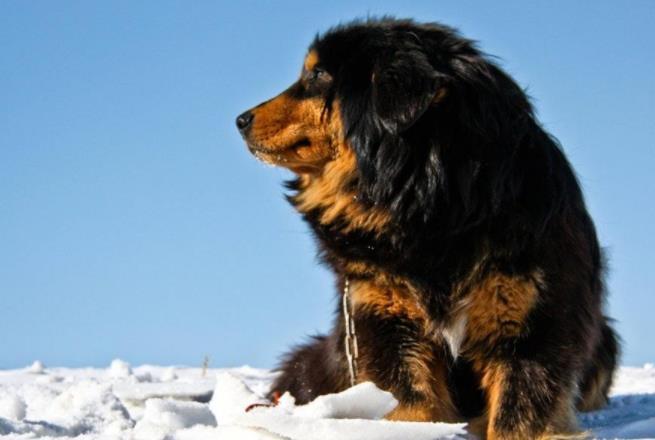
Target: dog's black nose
x=244 y=120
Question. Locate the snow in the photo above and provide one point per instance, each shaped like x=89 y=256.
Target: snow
x=178 y=403
x=163 y=417
x=363 y=401
x=351 y=415
x=36 y=368
x=168 y=375
x=12 y=407
x=119 y=369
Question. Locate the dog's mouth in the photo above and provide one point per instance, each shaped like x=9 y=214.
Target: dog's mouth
x=294 y=156
x=258 y=149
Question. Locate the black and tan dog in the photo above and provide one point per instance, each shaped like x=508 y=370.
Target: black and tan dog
x=475 y=274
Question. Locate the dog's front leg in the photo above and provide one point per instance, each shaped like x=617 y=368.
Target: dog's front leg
x=397 y=357
x=528 y=400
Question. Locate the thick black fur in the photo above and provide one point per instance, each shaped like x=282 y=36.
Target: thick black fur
x=468 y=179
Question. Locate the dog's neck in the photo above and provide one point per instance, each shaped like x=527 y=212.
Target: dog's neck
x=361 y=241
x=331 y=198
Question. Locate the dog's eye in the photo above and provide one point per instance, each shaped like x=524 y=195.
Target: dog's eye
x=318 y=74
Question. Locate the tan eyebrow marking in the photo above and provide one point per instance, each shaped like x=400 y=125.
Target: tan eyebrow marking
x=311 y=60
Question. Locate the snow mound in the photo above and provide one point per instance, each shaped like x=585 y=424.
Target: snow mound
x=36 y=368
x=162 y=417
x=119 y=369
x=88 y=407
x=168 y=375
x=12 y=407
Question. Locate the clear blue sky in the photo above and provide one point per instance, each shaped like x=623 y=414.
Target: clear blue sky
x=134 y=224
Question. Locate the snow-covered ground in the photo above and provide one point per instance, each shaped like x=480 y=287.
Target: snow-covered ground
x=152 y=402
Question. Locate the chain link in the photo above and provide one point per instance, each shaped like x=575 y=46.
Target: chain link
x=350 y=340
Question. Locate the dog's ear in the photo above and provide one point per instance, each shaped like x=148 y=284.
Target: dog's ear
x=403 y=88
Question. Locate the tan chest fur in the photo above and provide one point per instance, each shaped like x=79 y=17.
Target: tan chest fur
x=493 y=308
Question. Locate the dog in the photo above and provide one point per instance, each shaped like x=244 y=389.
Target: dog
x=469 y=266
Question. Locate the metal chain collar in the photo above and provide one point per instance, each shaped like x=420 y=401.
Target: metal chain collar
x=350 y=340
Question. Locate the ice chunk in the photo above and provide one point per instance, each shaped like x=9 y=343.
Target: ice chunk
x=231 y=398
x=363 y=401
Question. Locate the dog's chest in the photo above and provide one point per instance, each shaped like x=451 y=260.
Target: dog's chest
x=454 y=334
x=399 y=301
x=495 y=308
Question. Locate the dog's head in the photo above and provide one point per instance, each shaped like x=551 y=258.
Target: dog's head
x=299 y=129
x=393 y=100
x=367 y=69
